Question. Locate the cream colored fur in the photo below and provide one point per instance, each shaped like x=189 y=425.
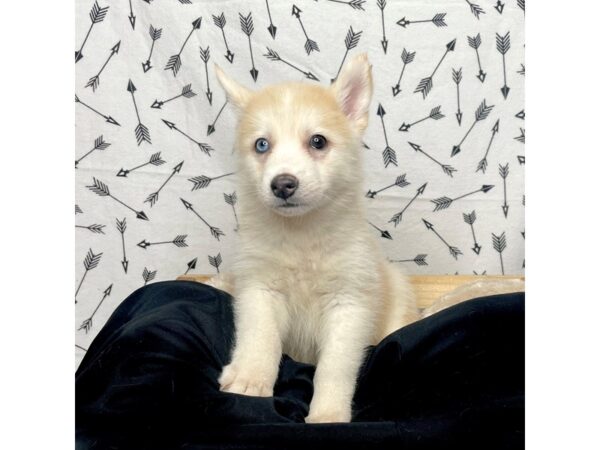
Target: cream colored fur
x=311 y=280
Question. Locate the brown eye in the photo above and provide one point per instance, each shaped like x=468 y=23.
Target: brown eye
x=317 y=141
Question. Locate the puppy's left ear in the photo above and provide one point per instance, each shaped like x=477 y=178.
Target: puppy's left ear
x=237 y=94
x=353 y=90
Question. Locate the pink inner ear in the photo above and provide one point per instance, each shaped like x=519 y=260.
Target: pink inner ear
x=352 y=97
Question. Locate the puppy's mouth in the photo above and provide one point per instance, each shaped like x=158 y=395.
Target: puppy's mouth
x=289 y=205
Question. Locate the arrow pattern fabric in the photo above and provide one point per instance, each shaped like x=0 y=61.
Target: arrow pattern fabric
x=155 y=174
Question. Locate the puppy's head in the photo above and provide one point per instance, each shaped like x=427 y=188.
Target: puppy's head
x=298 y=144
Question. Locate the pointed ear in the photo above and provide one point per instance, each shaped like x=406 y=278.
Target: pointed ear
x=353 y=90
x=237 y=94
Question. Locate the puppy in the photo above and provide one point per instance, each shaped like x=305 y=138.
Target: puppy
x=310 y=279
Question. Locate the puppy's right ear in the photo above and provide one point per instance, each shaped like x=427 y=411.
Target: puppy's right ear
x=237 y=94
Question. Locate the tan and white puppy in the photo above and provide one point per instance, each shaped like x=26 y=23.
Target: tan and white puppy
x=309 y=280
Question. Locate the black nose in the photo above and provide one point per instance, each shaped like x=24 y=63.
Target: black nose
x=284 y=186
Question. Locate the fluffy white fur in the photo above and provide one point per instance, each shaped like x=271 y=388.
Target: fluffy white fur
x=309 y=280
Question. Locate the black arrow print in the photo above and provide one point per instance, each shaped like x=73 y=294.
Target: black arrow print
x=247 y=25
x=213 y=230
x=90 y=262
x=426 y=83
x=445 y=167
x=203 y=147
x=274 y=56
x=94 y=81
x=211 y=128
x=78 y=210
x=186 y=92
x=475 y=9
x=520 y=115
x=407 y=58
x=419 y=260
x=153 y=198
x=220 y=22
x=97 y=15
x=483 y=163
x=384 y=42
x=174 y=63
x=445 y=202
x=215 y=261
x=350 y=42
x=148 y=275
x=101 y=189
x=384 y=233
x=272 y=28
x=141 y=131
x=155 y=160
x=87 y=324
x=191 y=265
x=397 y=218
x=122 y=226
x=457 y=78
x=231 y=199
x=183 y=2
x=205 y=56
x=438 y=20
x=454 y=251
x=521 y=159
x=354 y=4
x=481 y=113
x=400 y=182
x=389 y=154
x=178 y=241
x=521 y=4
x=499 y=243
x=499 y=6
x=155 y=34
x=434 y=114
x=131 y=16
x=521 y=137
x=503 y=46
x=81 y=348
x=94 y=228
x=475 y=43
x=99 y=144
x=521 y=71
x=503 y=170
x=470 y=220
x=309 y=44
x=202 y=181
x=109 y=119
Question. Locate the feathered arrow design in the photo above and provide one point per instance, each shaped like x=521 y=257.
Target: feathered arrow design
x=99 y=144
x=475 y=9
x=400 y=182
x=434 y=114
x=211 y=128
x=122 y=226
x=213 y=230
x=521 y=4
x=109 y=119
x=350 y=42
x=78 y=210
x=480 y=114
x=215 y=261
x=247 y=25
x=384 y=233
x=205 y=56
x=90 y=262
x=274 y=56
x=475 y=43
x=153 y=198
x=186 y=92
x=97 y=15
x=220 y=22
x=205 y=148
x=454 y=251
x=457 y=78
x=191 y=265
x=174 y=63
x=272 y=28
x=483 y=163
x=384 y=42
x=94 y=228
x=155 y=160
x=419 y=260
x=101 y=189
x=389 y=154
x=407 y=58
x=309 y=44
x=470 y=220
x=521 y=137
x=425 y=85
x=503 y=46
x=499 y=7
x=503 y=171
x=438 y=20
x=445 y=202
x=87 y=324
x=354 y=4
x=94 y=81
x=499 y=243
x=141 y=131
x=202 y=181
x=155 y=34
x=397 y=218
x=231 y=199
x=445 y=167
x=178 y=241
x=148 y=275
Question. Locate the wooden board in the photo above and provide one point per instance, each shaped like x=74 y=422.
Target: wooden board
x=428 y=288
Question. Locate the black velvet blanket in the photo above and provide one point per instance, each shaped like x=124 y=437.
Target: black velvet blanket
x=149 y=380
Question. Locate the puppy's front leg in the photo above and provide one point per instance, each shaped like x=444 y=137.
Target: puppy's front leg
x=260 y=320
x=348 y=326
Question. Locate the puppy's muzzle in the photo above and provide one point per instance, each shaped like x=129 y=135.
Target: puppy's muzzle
x=284 y=185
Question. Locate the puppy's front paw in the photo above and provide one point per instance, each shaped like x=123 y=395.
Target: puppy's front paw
x=328 y=416
x=247 y=379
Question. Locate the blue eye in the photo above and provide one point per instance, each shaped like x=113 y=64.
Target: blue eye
x=261 y=145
